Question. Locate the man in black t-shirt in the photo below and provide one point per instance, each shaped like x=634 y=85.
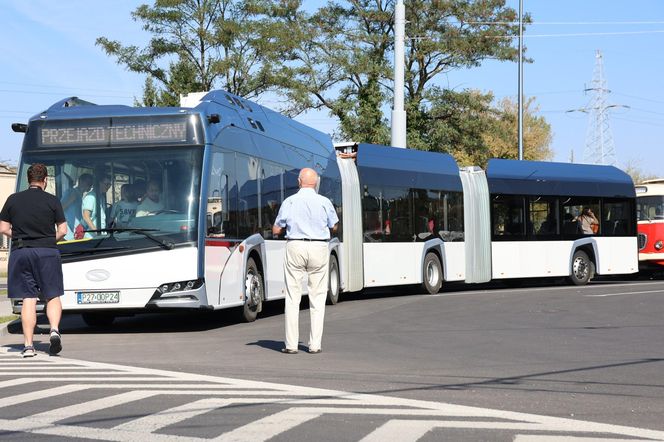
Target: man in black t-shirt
x=35 y=270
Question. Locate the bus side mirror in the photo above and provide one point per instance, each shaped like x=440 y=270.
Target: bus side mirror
x=19 y=127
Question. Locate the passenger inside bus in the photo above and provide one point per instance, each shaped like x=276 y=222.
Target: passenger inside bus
x=548 y=227
x=152 y=203
x=124 y=210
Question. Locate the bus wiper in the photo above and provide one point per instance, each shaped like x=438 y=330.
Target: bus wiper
x=91 y=250
x=168 y=245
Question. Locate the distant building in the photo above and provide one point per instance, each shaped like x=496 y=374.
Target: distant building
x=7 y=185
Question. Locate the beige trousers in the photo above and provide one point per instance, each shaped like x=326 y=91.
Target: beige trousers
x=305 y=258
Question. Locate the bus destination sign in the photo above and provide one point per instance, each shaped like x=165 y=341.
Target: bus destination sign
x=126 y=133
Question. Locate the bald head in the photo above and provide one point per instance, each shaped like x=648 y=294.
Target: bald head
x=308 y=178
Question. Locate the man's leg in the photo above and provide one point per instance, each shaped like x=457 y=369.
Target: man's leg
x=318 y=281
x=294 y=270
x=54 y=312
x=28 y=319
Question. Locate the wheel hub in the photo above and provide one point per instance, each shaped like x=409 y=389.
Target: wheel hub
x=580 y=268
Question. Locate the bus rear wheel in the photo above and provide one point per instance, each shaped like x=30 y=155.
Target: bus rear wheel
x=98 y=319
x=334 y=285
x=432 y=277
x=582 y=268
x=254 y=292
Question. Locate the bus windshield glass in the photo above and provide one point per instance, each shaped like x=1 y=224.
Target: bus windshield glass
x=123 y=199
x=650 y=208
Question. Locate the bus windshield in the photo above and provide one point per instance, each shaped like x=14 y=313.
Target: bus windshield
x=123 y=199
x=649 y=208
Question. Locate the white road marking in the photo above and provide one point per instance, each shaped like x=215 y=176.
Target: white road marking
x=407 y=419
x=270 y=426
x=41 y=394
x=171 y=416
x=59 y=414
x=545 y=438
x=525 y=290
x=624 y=293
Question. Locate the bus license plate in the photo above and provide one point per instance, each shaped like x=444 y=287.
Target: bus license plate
x=97 y=297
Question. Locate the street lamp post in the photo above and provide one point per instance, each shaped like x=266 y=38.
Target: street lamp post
x=520 y=98
x=398 y=111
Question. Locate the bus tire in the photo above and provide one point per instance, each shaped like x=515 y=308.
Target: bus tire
x=334 y=284
x=254 y=291
x=432 y=273
x=582 y=268
x=98 y=319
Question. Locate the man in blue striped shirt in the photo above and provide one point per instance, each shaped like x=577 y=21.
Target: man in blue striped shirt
x=308 y=218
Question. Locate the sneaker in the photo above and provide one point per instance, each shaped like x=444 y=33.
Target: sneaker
x=56 y=343
x=28 y=352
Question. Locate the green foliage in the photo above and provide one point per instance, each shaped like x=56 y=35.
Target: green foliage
x=343 y=64
x=339 y=59
x=205 y=44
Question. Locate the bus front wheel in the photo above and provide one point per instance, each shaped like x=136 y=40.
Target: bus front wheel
x=432 y=278
x=254 y=291
x=334 y=285
x=582 y=268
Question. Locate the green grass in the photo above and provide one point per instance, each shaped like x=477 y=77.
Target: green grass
x=4 y=319
x=3 y=292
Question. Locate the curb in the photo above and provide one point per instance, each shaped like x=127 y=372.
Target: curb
x=5 y=325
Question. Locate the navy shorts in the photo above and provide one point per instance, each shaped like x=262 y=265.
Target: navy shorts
x=34 y=273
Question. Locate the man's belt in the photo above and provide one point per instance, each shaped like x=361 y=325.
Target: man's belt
x=307 y=239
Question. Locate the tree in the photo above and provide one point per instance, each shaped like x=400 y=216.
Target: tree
x=344 y=64
x=197 y=45
x=501 y=138
x=633 y=169
x=468 y=126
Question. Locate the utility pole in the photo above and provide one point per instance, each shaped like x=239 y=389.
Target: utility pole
x=398 y=111
x=520 y=98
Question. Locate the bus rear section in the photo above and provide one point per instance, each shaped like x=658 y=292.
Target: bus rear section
x=413 y=217
x=536 y=229
x=650 y=216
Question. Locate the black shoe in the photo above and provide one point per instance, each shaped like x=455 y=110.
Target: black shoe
x=288 y=351
x=56 y=343
x=28 y=352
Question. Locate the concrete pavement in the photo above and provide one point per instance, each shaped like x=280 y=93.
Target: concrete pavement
x=5 y=307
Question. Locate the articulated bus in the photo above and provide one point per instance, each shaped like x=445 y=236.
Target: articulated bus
x=650 y=216
x=221 y=166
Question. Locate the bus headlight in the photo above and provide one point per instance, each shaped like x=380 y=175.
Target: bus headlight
x=179 y=286
x=659 y=245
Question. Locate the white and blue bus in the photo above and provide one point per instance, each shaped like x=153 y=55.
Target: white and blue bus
x=223 y=165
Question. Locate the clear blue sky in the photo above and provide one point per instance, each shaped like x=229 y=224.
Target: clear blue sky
x=49 y=53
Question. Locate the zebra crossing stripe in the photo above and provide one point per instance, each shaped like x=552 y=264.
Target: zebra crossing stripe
x=171 y=416
x=270 y=426
x=59 y=414
x=41 y=394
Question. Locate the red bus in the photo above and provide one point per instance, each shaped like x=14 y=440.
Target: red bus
x=650 y=217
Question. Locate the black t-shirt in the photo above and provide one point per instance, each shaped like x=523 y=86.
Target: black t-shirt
x=33 y=215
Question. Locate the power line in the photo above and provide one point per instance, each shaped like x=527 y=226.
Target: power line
x=578 y=34
x=563 y=23
x=61 y=93
x=61 y=87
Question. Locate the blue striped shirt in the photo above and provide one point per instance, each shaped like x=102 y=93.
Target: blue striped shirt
x=307 y=215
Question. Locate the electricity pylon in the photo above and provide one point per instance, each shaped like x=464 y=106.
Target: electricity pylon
x=600 y=148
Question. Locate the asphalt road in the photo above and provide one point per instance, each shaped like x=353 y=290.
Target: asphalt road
x=591 y=353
